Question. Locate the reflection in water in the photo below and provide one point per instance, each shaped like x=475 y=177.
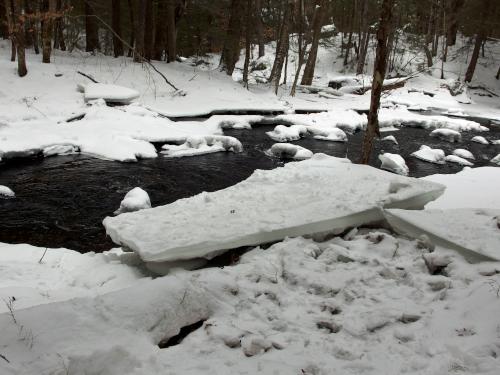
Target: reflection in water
x=61 y=201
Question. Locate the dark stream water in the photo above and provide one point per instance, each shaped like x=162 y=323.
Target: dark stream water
x=61 y=201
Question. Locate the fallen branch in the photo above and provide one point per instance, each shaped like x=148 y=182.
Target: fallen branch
x=87 y=76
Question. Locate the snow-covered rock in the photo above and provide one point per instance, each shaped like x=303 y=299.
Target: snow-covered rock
x=332 y=134
x=390 y=138
x=431 y=155
x=469 y=188
x=447 y=135
x=289 y=151
x=135 y=200
x=283 y=133
x=495 y=142
x=496 y=159
x=480 y=139
x=110 y=93
x=394 y=163
x=60 y=150
x=320 y=194
x=6 y=192
x=463 y=153
x=199 y=145
x=458 y=160
x=474 y=233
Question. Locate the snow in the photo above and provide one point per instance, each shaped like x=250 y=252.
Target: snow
x=495 y=142
x=332 y=134
x=289 y=151
x=474 y=233
x=431 y=155
x=283 y=133
x=458 y=160
x=347 y=120
x=367 y=300
x=6 y=192
x=447 y=135
x=394 y=163
x=110 y=93
x=390 y=138
x=135 y=200
x=202 y=145
x=480 y=139
x=496 y=159
x=463 y=153
x=320 y=194
x=470 y=188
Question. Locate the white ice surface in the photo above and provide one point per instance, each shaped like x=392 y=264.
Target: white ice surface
x=475 y=233
x=470 y=188
x=197 y=145
x=135 y=200
x=110 y=93
x=431 y=155
x=6 y=192
x=320 y=194
x=390 y=138
x=394 y=163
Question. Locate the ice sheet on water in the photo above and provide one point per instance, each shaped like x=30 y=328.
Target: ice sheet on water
x=110 y=93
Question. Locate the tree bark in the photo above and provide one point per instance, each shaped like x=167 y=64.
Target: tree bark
x=247 y=42
x=380 y=67
x=16 y=27
x=91 y=28
x=259 y=27
x=160 y=31
x=302 y=48
x=59 y=41
x=148 y=31
x=231 y=50
x=455 y=7
x=363 y=43
x=139 y=31
x=117 y=27
x=308 y=74
x=171 y=32
x=131 y=10
x=498 y=73
x=49 y=7
x=4 y=29
x=480 y=39
x=283 y=46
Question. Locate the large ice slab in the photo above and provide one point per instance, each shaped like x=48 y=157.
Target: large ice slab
x=474 y=233
x=322 y=194
x=110 y=93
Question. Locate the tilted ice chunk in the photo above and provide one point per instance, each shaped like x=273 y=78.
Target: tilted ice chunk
x=289 y=151
x=469 y=188
x=474 y=233
x=325 y=134
x=447 y=135
x=110 y=93
x=390 y=138
x=60 y=150
x=458 y=160
x=495 y=142
x=432 y=155
x=6 y=192
x=322 y=194
x=135 y=200
x=496 y=159
x=198 y=145
x=463 y=153
x=480 y=139
x=283 y=133
x=394 y=163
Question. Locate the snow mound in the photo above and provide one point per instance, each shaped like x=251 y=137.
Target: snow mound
x=135 y=200
x=320 y=194
x=480 y=139
x=496 y=159
x=463 y=153
x=202 y=145
x=390 y=138
x=6 y=192
x=469 y=188
x=60 y=150
x=495 y=142
x=109 y=93
x=235 y=121
x=458 y=160
x=394 y=163
x=447 y=135
x=332 y=134
x=347 y=120
x=283 y=133
x=474 y=233
x=289 y=151
x=431 y=155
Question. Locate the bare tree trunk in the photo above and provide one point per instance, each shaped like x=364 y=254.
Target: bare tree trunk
x=454 y=9
x=498 y=73
x=161 y=31
x=171 y=32
x=139 y=31
x=302 y=48
x=131 y=10
x=259 y=28
x=59 y=41
x=308 y=75
x=91 y=29
x=148 y=31
x=49 y=7
x=247 y=42
x=480 y=39
x=117 y=27
x=16 y=26
x=363 y=45
x=4 y=29
x=380 y=67
x=231 y=50
x=283 y=46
